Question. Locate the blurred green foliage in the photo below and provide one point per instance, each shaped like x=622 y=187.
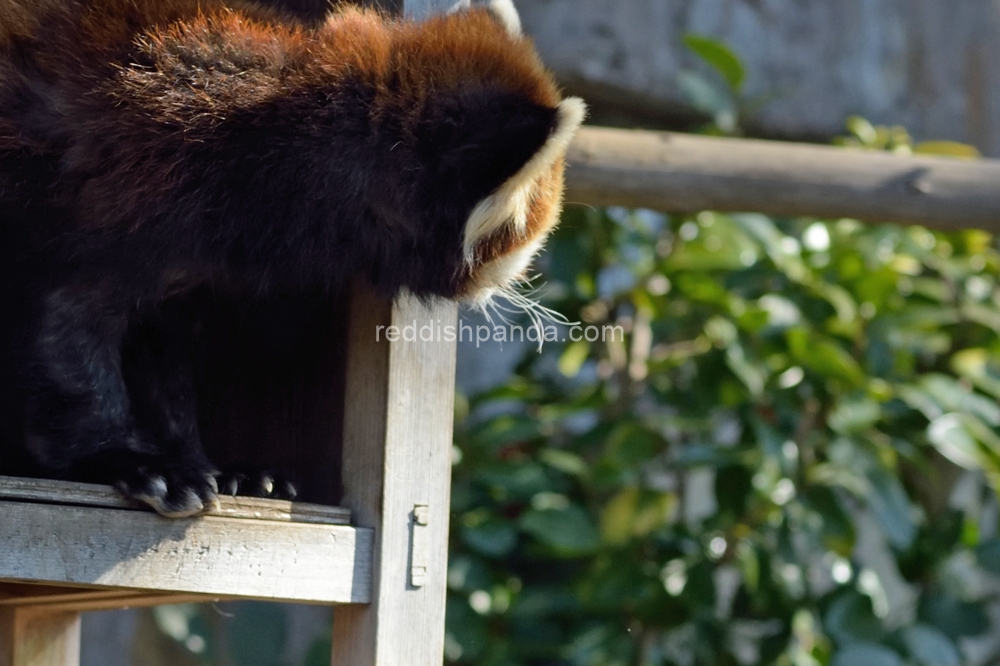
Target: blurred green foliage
x=242 y=633
x=791 y=458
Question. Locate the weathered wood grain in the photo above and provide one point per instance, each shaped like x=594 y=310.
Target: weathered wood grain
x=397 y=457
x=39 y=637
x=89 y=494
x=208 y=555
x=679 y=173
x=64 y=598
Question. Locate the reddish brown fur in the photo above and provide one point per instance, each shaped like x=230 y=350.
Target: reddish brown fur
x=149 y=147
x=403 y=62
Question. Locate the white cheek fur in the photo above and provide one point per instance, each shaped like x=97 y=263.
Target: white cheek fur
x=502 y=271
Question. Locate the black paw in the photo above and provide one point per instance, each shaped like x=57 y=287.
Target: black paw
x=255 y=483
x=173 y=490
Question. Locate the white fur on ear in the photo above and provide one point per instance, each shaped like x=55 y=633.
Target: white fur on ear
x=506 y=12
x=508 y=205
x=503 y=10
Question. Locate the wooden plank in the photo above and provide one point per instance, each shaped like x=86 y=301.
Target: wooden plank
x=397 y=467
x=208 y=555
x=680 y=173
x=39 y=637
x=59 y=597
x=88 y=494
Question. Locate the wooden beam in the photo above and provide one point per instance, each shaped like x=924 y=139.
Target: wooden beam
x=88 y=494
x=83 y=599
x=39 y=637
x=397 y=472
x=682 y=173
x=215 y=556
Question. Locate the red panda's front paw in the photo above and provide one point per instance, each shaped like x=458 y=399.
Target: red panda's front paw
x=174 y=490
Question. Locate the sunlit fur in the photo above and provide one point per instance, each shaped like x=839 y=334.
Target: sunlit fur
x=507 y=228
x=153 y=148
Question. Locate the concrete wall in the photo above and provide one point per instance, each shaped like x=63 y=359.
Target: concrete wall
x=925 y=64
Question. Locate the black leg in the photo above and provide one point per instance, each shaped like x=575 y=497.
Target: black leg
x=80 y=419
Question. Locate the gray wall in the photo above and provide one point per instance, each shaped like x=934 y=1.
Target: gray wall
x=925 y=64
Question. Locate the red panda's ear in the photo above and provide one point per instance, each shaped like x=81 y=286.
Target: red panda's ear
x=503 y=11
x=478 y=138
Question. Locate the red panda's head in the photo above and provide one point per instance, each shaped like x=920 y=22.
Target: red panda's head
x=490 y=131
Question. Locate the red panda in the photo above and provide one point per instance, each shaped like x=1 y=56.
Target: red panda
x=151 y=146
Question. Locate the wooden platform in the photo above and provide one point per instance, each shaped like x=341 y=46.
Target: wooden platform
x=375 y=432
x=82 y=535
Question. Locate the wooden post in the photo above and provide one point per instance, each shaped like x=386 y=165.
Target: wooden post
x=39 y=637
x=397 y=468
x=397 y=475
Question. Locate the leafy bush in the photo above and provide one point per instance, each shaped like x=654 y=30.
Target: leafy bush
x=791 y=458
x=764 y=471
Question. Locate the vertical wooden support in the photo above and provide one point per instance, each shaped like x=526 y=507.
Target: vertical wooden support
x=397 y=475
x=34 y=636
x=397 y=469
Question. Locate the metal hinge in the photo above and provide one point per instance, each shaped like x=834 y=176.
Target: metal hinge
x=420 y=545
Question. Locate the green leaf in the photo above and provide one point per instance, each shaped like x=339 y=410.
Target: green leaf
x=866 y=654
x=980 y=367
x=514 y=481
x=838 y=530
x=949 y=436
x=968 y=442
x=850 y=619
x=891 y=506
x=824 y=357
x=930 y=647
x=752 y=375
x=631 y=445
x=634 y=512
x=988 y=555
x=854 y=413
x=564 y=461
x=705 y=97
x=505 y=430
x=955 y=396
x=863 y=130
x=719 y=56
x=952 y=616
x=573 y=358
x=568 y=531
x=493 y=537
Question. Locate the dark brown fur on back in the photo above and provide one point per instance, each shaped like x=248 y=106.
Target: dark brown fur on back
x=151 y=146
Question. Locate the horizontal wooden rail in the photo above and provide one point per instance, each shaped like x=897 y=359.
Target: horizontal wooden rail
x=680 y=173
x=68 y=535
